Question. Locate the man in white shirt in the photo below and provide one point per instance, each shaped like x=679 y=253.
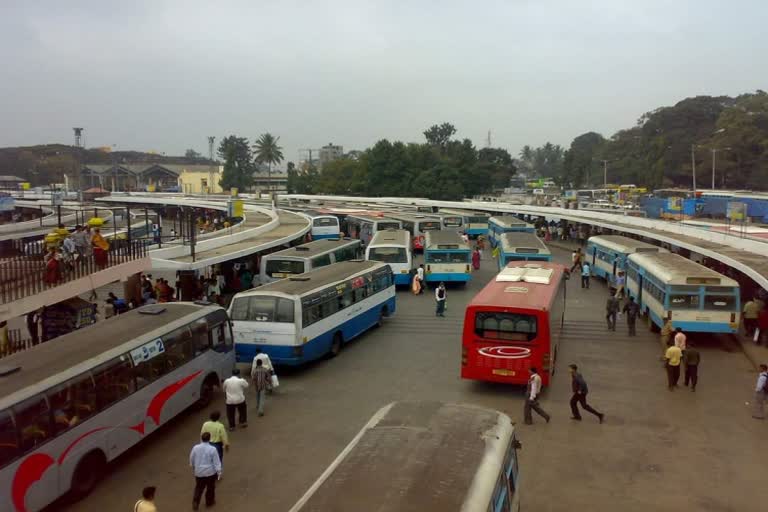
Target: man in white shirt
x=420 y=277
x=234 y=390
x=206 y=466
x=761 y=393
x=266 y=362
x=680 y=339
x=532 y=398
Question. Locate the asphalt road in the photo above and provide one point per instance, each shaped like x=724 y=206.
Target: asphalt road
x=657 y=450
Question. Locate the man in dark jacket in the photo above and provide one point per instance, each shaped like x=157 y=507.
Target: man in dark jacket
x=611 y=310
x=580 y=390
x=632 y=311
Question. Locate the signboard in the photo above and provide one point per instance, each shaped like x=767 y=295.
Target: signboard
x=25 y=185
x=57 y=198
x=147 y=351
x=675 y=204
x=235 y=208
x=736 y=211
x=233 y=191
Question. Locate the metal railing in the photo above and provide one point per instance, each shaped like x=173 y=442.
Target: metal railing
x=26 y=275
x=16 y=343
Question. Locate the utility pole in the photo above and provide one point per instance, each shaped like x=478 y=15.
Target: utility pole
x=714 y=162
x=693 y=167
x=211 y=139
x=605 y=174
x=78 y=151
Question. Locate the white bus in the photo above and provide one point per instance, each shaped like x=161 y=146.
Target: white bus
x=306 y=317
x=393 y=246
x=522 y=246
x=497 y=226
x=607 y=254
x=447 y=258
x=421 y=457
x=71 y=405
x=694 y=297
x=324 y=225
x=363 y=227
x=303 y=258
x=418 y=226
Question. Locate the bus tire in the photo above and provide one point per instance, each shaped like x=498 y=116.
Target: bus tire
x=88 y=473
x=207 y=388
x=336 y=344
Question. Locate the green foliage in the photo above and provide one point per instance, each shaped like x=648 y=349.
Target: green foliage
x=440 y=169
x=267 y=150
x=192 y=154
x=545 y=161
x=579 y=161
x=238 y=163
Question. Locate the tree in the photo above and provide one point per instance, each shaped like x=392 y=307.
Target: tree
x=439 y=135
x=192 y=154
x=238 y=163
x=268 y=152
x=580 y=158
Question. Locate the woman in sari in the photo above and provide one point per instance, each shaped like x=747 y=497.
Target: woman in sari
x=476 y=259
x=100 y=248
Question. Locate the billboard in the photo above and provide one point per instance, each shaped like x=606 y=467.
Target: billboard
x=736 y=211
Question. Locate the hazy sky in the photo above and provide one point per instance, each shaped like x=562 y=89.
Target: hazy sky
x=163 y=75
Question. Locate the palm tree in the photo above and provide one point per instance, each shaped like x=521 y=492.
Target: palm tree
x=268 y=152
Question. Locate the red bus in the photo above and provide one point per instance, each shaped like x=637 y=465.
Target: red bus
x=515 y=322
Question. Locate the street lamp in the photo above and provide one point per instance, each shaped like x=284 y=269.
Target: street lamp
x=714 y=162
x=605 y=171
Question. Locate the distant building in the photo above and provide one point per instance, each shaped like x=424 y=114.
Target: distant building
x=329 y=153
x=201 y=181
x=10 y=182
x=151 y=177
x=264 y=182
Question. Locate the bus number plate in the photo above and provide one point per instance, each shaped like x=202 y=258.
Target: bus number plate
x=504 y=373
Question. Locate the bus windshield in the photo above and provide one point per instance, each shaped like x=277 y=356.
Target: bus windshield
x=446 y=257
x=388 y=254
x=477 y=220
x=388 y=225
x=429 y=226
x=325 y=221
x=262 y=308
x=452 y=222
x=495 y=325
x=282 y=268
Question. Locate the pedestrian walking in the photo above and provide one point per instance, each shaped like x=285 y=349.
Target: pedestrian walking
x=262 y=382
x=620 y=284
x=673 y=356
x=476 y=259
x=585 y=273
x=532 y=391
x=580 y=390
x=632 y=310
x=691 y=360
x=681 y=340
x=420 y=277
x=480 y=245
x=219 y=436
x=33 y=323
x=147 y=501
x=751 y=312
x=761 y=392
x=666 y=333
x=611 y=311
x=234 y=391
x=576 y=259
x=206 y=467
x=465 y=237
x=440 y=297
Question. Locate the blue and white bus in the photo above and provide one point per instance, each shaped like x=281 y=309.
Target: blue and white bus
x=303 y=258
x=497 y=226
x=417 y=225
x=446 y=258
x=393 y=246
x=694 y=297
x=363 y=227
x=607 y=254
x=305 y=317
x=522 y=247
x=472 y=223
x=324 y=225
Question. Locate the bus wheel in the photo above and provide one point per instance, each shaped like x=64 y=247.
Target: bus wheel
x=206 y=391
x=89 y=471
x=338 y=341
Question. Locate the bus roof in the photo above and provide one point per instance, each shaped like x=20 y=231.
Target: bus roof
x=313 y=248
x=624 y=244
x=522 y=242
x=433 y=240
x=414 y=217
x=65 y=352
x=317 y=278
x=371 y=218
x=521 y=294
x=316 y=213
x=507 y=221
x=416 y=457
x=674 y=269
x=391 y=237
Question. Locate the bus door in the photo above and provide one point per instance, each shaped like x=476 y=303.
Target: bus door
x=615 y=262
x=594 y=255
x=640 y=279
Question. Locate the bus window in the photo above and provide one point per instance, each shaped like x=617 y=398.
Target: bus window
x=391 y=225
x=33 y=421
x=200 y=338
x=321 y=260
x=284 y=311
x=388 y=254
x=72 y=402
x=278 y=268
x=254 y=309
x=683 y=302
x=324 y=221
x=9 y=442
x=178 y=348
x=114 y=381
x=720 y=302
x=505 y=326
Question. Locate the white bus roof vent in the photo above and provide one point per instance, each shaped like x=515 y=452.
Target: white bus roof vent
x=527 y=274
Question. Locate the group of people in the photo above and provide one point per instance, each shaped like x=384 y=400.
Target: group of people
x=679 y=352
x=755 y=320
x=579 y=390
x=65 y=249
